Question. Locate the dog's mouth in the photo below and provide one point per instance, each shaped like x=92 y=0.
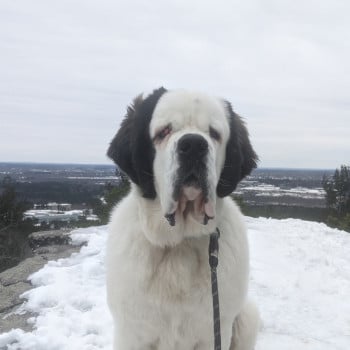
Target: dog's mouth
x=191 y=201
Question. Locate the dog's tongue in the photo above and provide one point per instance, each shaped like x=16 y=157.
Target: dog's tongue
x=191 y=193
x=191 y=202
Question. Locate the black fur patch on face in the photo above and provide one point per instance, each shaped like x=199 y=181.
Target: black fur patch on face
x=196 y=177
x=240 y=157
x=192 y=152
x=132 y=149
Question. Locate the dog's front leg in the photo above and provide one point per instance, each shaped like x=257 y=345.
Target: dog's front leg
x=132 y=342
x=245 y=328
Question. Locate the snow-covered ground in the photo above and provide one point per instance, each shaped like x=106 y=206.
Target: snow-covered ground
x=262 y=190
x=300 y=280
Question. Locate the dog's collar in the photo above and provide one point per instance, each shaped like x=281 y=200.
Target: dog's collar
x=213 y=262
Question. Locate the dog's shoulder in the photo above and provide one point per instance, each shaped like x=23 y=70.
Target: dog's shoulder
x=233 y=240
x=123 y=227
x=230 y=218
x=124 y=212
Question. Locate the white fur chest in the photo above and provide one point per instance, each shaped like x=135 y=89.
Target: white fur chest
x=164 y=294
x=171 y=289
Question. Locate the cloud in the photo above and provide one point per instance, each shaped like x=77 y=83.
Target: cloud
x=70 y=68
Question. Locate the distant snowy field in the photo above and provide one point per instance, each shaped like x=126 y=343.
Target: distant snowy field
x=300 y=279
x=262 y=190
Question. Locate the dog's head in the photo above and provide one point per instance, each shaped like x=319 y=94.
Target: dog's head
x=185 y=148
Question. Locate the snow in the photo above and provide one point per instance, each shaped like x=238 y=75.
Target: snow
x=301 y=281
x=300 y=278
x=70 y=299
x=262 y=190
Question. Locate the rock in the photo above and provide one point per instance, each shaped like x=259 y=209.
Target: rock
x=21 y=272
x=56 y=252
x=46 y=245
x=45 y=238
x=10 y=320
x=10 y=295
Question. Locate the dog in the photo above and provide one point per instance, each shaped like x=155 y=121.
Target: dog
x=184 y=152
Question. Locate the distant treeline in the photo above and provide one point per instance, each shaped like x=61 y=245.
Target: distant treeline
x=61 y=192
x=286 y=211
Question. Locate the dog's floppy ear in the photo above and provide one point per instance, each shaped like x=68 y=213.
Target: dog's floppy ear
x=240 y=159
x=132 y=148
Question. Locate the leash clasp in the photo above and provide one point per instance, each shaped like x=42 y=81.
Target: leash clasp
x=214 y=249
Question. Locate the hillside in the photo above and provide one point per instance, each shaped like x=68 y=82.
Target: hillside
x=300 y=279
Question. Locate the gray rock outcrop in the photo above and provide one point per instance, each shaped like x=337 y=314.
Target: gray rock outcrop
x=46 y=245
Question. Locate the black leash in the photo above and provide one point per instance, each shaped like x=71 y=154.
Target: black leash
x=213 y=262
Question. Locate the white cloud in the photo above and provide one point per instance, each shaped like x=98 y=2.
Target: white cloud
x=68 y=70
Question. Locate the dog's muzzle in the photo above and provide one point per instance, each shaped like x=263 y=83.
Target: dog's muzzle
x=192 y=147
x=190 y=192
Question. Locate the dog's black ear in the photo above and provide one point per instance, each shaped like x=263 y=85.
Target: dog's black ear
x=132 y=148
x=240 y=159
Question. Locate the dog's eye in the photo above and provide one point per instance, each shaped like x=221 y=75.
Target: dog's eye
x=162 y=134
x=214 y=134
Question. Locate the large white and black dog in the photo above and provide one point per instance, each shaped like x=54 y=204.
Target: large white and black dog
x=185 y=152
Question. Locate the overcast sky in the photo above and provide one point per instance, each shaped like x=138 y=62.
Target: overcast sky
x=69 y=68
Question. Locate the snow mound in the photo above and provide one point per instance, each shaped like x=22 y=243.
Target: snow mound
x=70 y=298
x=300 y=278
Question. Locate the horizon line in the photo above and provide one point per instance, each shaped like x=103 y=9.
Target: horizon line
x=111 y=164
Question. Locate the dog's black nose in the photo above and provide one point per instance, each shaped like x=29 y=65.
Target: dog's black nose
x=192 y=146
